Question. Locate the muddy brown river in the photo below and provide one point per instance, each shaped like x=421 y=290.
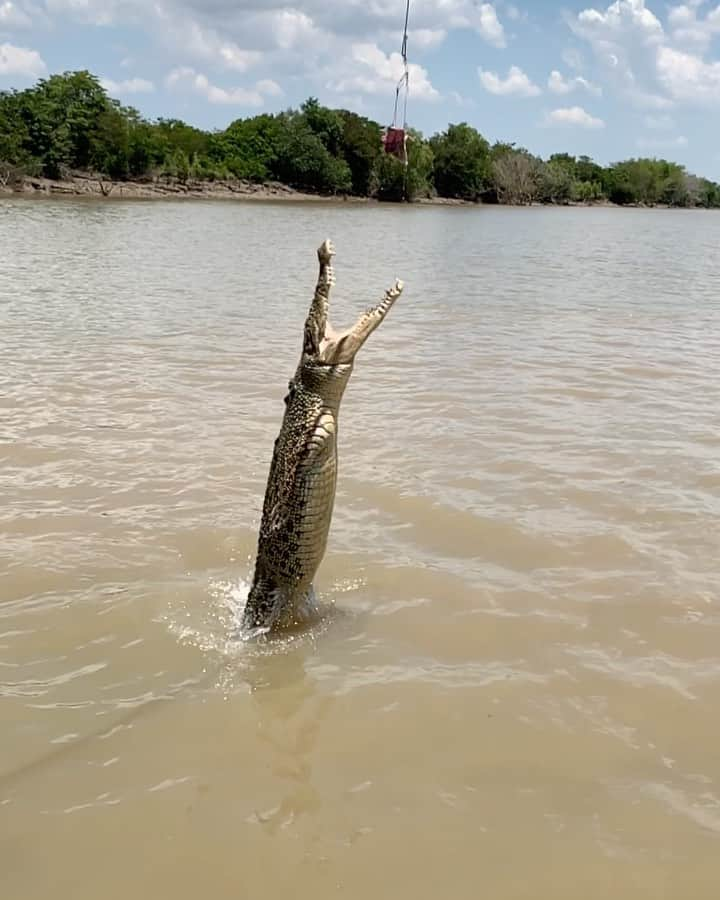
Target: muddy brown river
x=514 y=691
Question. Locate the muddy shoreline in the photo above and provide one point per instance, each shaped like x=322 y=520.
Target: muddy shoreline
x=81 y=185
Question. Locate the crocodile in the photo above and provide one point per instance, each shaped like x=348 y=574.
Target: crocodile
x=300 y=491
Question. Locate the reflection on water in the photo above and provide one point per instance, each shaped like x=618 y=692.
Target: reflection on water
x=289 y=716
x=515 y=678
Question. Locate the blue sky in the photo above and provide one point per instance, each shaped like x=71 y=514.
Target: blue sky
x=635 y=77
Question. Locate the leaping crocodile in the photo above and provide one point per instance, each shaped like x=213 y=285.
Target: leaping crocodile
x=300 y=490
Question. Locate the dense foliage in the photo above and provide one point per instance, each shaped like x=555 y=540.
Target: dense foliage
x=68 y=123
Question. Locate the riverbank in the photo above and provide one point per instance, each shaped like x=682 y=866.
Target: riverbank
x=79 y=185
x=93 y=187
x=86 y=185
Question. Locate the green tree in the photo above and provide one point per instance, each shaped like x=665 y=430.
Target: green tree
x=15 y=158
x=147 y=149
x=177 y=165
x=588 y=170
x=110 y=148
x=60 y=118
x=708 y=194
x=326 y=123
x=304 y=162
x=178 y=135
x=556 y=181
x=566 y=162
x=647 y=182
x=249 y=148
x=361 y=148
x=47 y=137
x=586 y=191
x=461 y=162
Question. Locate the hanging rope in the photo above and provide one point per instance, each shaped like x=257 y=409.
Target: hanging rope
x=405 y=78
x=396 y=136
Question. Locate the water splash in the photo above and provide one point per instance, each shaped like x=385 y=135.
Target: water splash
x=212 y=625
x=215 y=627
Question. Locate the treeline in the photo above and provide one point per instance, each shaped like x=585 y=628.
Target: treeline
x=67 y=123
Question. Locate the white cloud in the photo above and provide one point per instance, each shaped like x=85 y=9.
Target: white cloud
x=293 y=28
x=129 y=86
x=689 y=30
x=620 y=19
x=573 y=115
x=239 y=60
x=349 y=48
x=625 y=39
x=269 y=87
x=424 y=38
x=20 y=61
x=687 y=77
x=205 y=44
x=311 y=26
x=93 y=12
x=626 y=31
x=464 y=14
x=559 y=85
x=187 y=77
x=488 y=26
x=678 y=16
x=517 y=83
x=370 y=71
x=317 y=44
x=11 y=16
x=653 y=143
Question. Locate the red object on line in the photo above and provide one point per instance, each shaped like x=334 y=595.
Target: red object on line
x=394 y=141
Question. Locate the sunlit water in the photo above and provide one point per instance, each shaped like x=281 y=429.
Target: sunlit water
x=514 y=688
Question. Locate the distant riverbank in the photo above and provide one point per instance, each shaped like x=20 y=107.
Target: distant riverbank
x=86 y=185
x=81 y=184
x=67 y=129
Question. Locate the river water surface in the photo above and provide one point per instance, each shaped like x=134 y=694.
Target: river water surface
x=515 y=690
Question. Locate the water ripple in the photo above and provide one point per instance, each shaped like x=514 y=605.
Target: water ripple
x=521 y=586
